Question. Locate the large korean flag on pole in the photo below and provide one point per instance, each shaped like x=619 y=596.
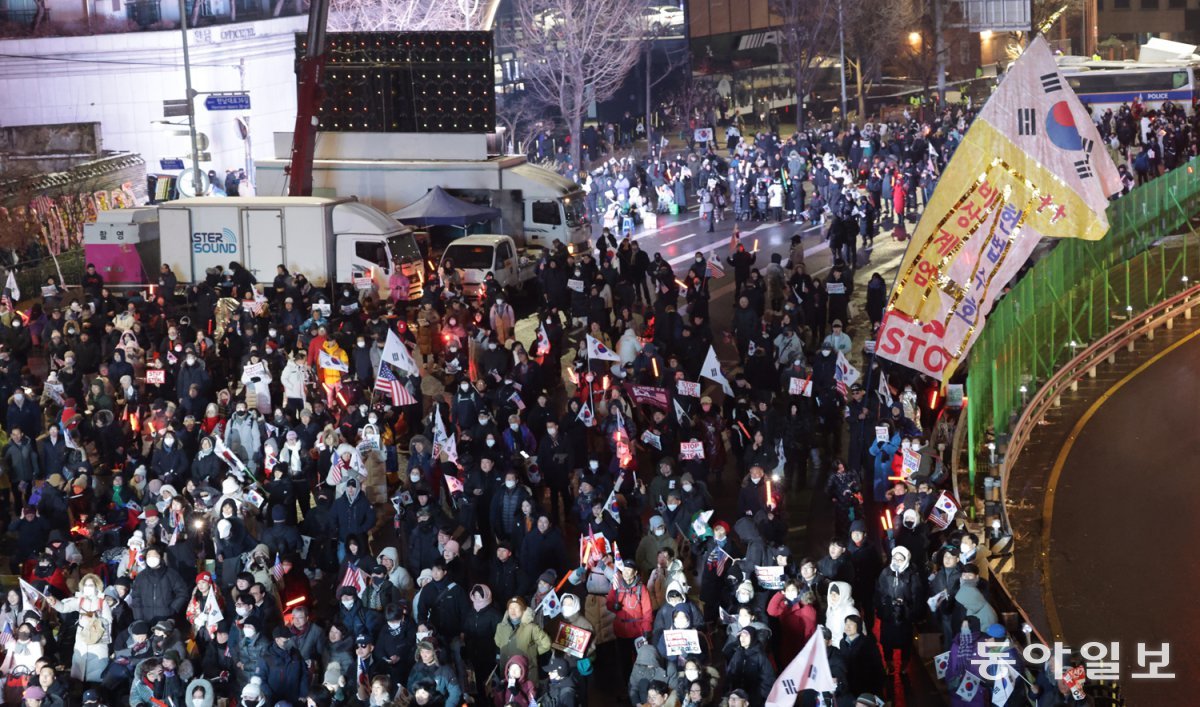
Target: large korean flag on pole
x=1031 y=165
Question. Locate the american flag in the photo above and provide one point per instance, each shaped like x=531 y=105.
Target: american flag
x=718 y=559
x=714 y=268
x=943 y=511
x=6 y=636
x=387 y=382
x=277 y=569
x=354 y=578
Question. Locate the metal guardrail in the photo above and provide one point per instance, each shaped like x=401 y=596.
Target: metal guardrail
x=1085 y=363
x=1048 y=397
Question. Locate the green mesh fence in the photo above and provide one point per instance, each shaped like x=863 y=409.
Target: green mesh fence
x=1078 y=293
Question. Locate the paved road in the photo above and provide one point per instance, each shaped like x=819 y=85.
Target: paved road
x=1122 y=564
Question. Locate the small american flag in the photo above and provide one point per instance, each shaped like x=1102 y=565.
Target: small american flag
x=387 y=382
x=6 y=636
x=714 y=268
x=277 y=569
x=354 y=578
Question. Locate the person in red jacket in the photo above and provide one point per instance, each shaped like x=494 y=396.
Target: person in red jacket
x=797 y=618
x=629 y=601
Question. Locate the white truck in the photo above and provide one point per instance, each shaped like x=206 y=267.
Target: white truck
x=476 y=255
x=392 y=170
x=330 y=241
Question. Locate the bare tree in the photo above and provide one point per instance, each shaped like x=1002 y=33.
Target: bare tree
x=873 y=32
x=578 y=51
x=522 y=118
x=404 y=15
x=809 y=29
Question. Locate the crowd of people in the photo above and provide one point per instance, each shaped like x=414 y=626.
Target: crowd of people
x=275 y=494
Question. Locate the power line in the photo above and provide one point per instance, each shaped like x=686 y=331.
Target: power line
x=113 y=61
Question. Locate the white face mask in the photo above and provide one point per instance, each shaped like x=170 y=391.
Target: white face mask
x=570 y=610
x=415 y=477
x=348 y=602
x=755 y=481
x=687 y=488
x=372 y=419
x=510 y=484
x=153 y=562
x=966 y=549
x=660 y=531
x=190 y=360
x=464 y=386
x=19 y=398
x=169 y=441
x=514 y=428
x=672 y=506
x=243 y=611
x=595 y=465
x=249 y=632
x=691 y=675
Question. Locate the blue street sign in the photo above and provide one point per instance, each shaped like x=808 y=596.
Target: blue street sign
x=233 y=102
x=171 y=165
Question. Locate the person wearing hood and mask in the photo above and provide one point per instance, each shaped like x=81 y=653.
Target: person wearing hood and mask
x=676 y=600
x=797 y=620
x=199 y=694
x=749 y=668
x=207 y=468
x=899 y=601
x=651 y=544
x=93 y=629
x=840 y=605
x=396 y=573
x=515 y=688
x=479 y=630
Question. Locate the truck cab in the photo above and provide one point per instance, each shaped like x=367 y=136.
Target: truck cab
x=477 y=255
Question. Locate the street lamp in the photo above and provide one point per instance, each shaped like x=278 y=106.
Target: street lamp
x=842 y=55
x=914 y=38
x=191 y=102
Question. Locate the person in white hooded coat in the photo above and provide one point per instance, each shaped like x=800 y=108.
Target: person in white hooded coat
x=839 y=605
x=397 y=574
x=93 y=630
x=293 y=379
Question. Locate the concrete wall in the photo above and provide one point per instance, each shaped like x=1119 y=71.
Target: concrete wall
x=120 y=81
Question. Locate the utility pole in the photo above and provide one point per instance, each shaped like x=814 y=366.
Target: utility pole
x=842 y=55
x=191 y=100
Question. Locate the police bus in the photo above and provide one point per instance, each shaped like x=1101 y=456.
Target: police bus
x=1101 y=85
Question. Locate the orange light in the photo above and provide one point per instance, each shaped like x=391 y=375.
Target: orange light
x=755 y=245
x=745 y=431
x=654 y=362
x=770 y=496
x=933 y=399
x=133 y=422
x=297 y=600
x=604 y=382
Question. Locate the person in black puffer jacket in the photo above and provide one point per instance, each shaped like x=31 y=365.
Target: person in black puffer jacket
x=158 y=592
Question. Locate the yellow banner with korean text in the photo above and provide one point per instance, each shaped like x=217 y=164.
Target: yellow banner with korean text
x=1030 y=165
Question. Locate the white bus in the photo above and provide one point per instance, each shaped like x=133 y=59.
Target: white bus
x=1101 y=85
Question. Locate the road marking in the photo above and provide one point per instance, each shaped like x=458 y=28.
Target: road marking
x=678 y=240
x=824 y=245
x=660 y=229
x=1056 y=472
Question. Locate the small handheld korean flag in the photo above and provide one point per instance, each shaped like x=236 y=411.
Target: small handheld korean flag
x=808 y=671
x=1003 y=688
x=397 y=354
x=941 y=663
x=585 y=415
x=542 y=346
x=551 y=606
x=597 y=350
x=712 y=371
x=969 y=687
x=331 y=363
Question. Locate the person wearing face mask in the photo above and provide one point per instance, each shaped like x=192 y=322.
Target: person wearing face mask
x=243 y=435
x=884 y=454
x=352 y=516
x=168 y=461
x=192 y=372
x=913 y=535
x=651 y=544
x=93 y=630
x=752 y=497
x=465 y=406
x=899 y=603
x=556 y=459
x=158 y=592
